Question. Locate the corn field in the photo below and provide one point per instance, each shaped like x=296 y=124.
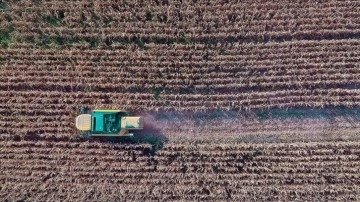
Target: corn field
x=93 y=171
x=246 y=100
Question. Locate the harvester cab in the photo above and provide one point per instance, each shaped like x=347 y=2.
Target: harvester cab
x=108 y=123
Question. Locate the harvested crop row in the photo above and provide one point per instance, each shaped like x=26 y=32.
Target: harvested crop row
x=49 y=123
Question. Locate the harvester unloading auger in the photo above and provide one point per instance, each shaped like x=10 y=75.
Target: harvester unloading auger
x=108 y=123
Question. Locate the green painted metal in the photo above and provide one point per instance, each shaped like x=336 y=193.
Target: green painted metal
x=111 y=123
x=110 y=110
x=106 y=121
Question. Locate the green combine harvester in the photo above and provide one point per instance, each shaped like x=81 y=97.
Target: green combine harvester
x=108 y=123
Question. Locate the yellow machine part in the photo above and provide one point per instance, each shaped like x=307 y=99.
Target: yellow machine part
x=83 y=122
x=132 y=122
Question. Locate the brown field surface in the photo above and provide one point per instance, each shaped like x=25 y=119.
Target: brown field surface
x=92 y=171
x=243 y=100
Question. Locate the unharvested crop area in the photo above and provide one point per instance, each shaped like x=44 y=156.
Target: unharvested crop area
x=251 y=100
x=92 y=171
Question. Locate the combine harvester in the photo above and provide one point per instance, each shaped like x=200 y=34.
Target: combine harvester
x=108 y=123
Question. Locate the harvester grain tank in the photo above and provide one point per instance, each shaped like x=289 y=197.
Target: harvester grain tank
x=108 y=123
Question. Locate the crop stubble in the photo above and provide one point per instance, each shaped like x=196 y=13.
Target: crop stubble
x=188 y=57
